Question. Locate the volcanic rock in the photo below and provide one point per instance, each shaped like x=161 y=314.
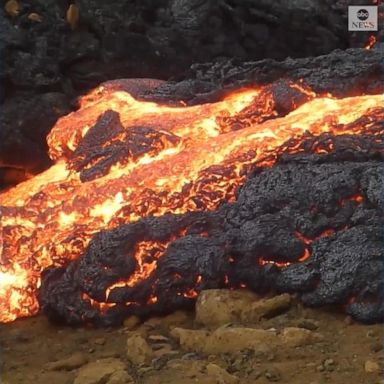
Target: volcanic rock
x=371 y=366
x=158 y=339
x=163 y=39
x=23 y=139
x=353 y=71
x=190 y=339
x=297 y=337
x=138 y=350
x=228 y=339
x=75 y=361
x=102 y=371
x=218 y=307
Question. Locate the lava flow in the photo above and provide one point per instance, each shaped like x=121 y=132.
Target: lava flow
x=119 y=159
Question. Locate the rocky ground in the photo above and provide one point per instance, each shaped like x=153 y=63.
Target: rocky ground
x=232 y=337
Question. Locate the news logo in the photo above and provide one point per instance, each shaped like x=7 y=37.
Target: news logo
x=362 y=18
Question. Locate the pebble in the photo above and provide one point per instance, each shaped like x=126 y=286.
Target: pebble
x=100 y=341
x=138 y=350
x=158 y=339
x=35 y=17
x=371 y=366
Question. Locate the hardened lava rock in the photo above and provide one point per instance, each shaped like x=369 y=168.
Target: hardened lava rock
x=310 y=224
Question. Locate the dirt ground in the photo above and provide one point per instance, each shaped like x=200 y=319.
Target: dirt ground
x=347 y=353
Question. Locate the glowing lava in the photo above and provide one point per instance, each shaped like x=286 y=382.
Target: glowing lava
x=119 y=159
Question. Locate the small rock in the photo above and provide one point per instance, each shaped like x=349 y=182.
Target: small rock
x=12 y=7
x=371 y=366
x=158 y=339
x=190 y=339
x=220 y=375
x=138 y=350
x=273 y=374
x=309 y=324
x=99 y=341
x=35 y=17
x=75 y=361
x=99 y=372
x=320 y=368
x=226 y=340
x=297 y=337
x=216 y=307
x=131 y=322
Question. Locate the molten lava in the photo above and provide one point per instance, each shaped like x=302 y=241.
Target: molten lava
x=371 y=42
x=119 y=159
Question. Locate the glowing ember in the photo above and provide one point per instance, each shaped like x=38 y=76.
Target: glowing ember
x=371 y=42
x=119 y=159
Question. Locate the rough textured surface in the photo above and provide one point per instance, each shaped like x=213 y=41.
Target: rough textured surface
x=324 y=202
x=215 y=307
x=126 y=145
x=341 y=73
x=155 y=39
